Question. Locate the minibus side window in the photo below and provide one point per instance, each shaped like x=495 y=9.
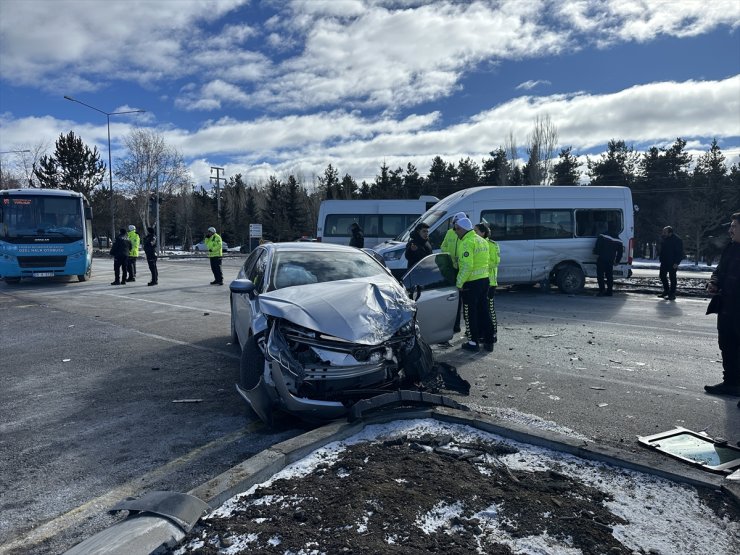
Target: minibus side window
x=370 y=225
x=510 y=225
x=590 y=221
x=554 y=223
x=337 y=225
x=393 y=224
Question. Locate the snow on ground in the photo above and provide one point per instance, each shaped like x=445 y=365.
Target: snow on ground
x=663 y=517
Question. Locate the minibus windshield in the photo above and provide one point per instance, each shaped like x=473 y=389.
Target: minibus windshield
x=430 y=218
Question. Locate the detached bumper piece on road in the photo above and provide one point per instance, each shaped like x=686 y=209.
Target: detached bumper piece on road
x=155 y=519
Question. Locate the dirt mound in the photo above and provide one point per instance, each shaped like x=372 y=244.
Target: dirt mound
x=394 y=496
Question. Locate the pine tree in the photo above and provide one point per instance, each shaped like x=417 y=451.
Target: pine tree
x=496 y=170
x=73 y=167
x=565 y=171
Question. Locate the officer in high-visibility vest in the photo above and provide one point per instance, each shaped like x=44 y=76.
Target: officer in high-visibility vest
x=133 y=253
x=214 y=245
x=449 y=245
x=472 y=281
x=494 y=258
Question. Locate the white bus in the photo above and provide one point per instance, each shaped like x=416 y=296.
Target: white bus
x=545 y=233
x=380 y=220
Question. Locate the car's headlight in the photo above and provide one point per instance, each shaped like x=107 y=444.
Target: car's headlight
x=393 y=255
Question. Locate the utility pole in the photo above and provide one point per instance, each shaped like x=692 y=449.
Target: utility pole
x=218 y=179
x=159 y=233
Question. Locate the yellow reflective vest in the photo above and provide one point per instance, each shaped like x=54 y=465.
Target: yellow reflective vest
x=214 y=245
x=450 y=245
x=494 y=258
x=473 y=261
x=135 y=240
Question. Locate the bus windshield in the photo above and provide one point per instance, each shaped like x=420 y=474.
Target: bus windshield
x=27 y=216
x=430 y=218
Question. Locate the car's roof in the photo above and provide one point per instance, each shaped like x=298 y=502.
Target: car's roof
x=302 y=246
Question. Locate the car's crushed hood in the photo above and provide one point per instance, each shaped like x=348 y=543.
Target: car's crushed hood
x=354 y=310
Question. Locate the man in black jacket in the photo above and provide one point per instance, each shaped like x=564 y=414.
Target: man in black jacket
x=671 y=254
x=150 y=250
x=120 y=252
x=358 y=239
x=418 y=246
x=609 y=252
x=724 y=285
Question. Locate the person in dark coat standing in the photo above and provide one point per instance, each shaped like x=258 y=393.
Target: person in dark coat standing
x=120 y=253
x=357 y=239
x=724 y=285
x=418 y=246
x=671 y=254
x=150 y=250
x=609 y=252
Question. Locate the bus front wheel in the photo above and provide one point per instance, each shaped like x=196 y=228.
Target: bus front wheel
x=570 y=279
x=12 y=280
x=86 y=275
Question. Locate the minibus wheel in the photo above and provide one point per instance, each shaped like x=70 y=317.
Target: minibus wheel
x=570 y=279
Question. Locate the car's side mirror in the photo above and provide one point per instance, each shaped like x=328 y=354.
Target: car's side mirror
x=242 y=286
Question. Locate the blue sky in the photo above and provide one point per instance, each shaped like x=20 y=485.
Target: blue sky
x=267 y=87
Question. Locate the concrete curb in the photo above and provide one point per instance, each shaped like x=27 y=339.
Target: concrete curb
x=262 y=466
x=131 y=538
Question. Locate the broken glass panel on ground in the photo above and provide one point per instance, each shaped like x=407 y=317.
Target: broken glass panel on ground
x=421 y=486
x=695 y=448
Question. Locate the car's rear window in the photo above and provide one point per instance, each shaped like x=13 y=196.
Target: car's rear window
x=302 y=268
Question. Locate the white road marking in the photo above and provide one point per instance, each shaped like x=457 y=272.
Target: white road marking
x=78 y=515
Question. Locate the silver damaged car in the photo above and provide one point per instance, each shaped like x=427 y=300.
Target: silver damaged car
x=322 y=326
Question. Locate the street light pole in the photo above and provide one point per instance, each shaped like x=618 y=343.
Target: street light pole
x=110 y=161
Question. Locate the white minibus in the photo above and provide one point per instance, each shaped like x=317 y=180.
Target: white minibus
x=380 y=220
x=546 y=234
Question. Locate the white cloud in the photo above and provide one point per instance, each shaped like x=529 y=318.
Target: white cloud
x=43 y=39
x=531 y=84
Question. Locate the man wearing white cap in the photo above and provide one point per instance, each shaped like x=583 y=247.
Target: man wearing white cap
x=214 y=244
x=472 y=281
x=449 y=245
x=133 y=253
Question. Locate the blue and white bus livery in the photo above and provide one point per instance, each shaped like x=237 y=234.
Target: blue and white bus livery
x=44 y=233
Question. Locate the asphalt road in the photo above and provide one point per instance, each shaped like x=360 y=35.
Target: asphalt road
x=108 y=392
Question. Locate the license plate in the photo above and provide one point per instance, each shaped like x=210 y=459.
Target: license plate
x=43 y=274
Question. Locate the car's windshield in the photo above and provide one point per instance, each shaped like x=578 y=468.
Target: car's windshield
x=430 y=218
x=301 y=268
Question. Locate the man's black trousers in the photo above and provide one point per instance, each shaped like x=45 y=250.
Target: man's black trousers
x=668 y=271
x=605 y=275
x=218 y=277
x=728 y=335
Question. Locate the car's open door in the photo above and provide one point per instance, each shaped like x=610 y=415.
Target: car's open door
x=431 y=282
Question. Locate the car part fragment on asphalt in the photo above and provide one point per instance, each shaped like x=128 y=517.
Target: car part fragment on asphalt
x=181 y=508
x=695 y=448
x=400 y=399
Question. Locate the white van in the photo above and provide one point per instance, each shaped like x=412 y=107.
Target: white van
x=545 y=233
x=380 y=220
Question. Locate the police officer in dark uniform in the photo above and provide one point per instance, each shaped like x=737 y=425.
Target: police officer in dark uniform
x=120 y=253
x=150 y=250
x=724 y=285
x=609 y=252
x=671 y=254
